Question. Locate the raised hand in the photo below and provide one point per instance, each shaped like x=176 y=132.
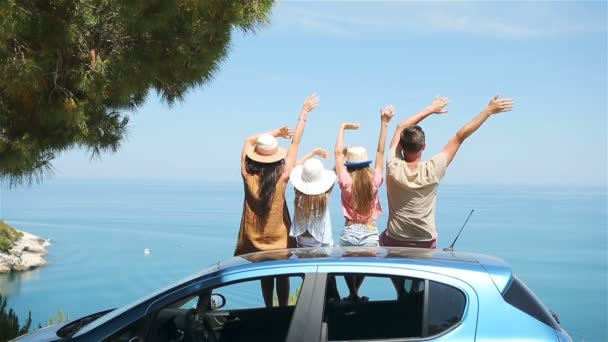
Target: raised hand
x=310 y=103
x=438 y=105
x=321 y=153
x=284 y=132
x=498 y=105
x=350 y=125
x=387 y=113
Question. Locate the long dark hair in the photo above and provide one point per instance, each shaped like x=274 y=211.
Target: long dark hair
x=269 y=174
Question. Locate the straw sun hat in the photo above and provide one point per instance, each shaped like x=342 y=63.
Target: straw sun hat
x=266 y=150
x=356 y=156
x=312 y=178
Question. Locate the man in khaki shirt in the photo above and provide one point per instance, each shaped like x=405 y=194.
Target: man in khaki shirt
x=412 y=183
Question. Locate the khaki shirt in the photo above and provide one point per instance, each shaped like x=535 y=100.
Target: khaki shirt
x=411 y=197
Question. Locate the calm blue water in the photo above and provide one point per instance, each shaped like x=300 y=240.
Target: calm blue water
x=555 y=238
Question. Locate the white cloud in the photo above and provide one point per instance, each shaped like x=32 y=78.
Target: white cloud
x=510 y=20
x=313 y=23
x=472 y=24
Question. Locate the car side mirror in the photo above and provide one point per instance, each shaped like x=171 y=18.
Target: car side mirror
x=218 y=301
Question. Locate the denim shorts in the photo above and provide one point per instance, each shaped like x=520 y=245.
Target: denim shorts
x=359 y=235
x=309 y=241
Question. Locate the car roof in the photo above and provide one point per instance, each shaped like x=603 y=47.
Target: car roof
x=345 y=253
x=499 y=270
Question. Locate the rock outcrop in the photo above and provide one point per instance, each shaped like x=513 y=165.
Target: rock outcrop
x=27 y=253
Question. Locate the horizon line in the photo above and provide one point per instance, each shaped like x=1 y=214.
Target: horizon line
x=238 y=181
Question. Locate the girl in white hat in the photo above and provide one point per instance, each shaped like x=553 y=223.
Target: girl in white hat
x=359 y=184
x=266 y=222
x=313 y=185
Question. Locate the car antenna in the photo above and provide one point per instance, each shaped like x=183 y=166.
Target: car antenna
x=451 y=248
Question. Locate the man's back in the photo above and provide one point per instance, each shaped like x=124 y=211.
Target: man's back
x=411 y=197
x=412 y=193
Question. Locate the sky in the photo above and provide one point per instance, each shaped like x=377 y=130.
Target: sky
x=550 y=57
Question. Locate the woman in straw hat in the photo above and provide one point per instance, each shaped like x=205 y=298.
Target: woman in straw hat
x=359 y=185
x=265 y=168
x=313 y=185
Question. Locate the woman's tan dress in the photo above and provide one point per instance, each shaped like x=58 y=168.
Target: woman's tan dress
x=256 y=235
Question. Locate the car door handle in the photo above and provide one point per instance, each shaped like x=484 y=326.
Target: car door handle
x=232 y=320
x=350 y=313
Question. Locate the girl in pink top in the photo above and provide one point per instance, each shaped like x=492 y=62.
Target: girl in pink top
x=359 y=184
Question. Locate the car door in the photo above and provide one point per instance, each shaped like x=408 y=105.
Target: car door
x=177 y=315
x=237 y=311
x=434 y=307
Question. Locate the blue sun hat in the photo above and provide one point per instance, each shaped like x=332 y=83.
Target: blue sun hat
x=356 y=156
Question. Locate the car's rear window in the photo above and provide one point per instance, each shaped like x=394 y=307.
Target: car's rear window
x=521 y=297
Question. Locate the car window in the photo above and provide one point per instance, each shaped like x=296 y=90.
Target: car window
x=445 y=307
x=250 y=310
x=372 y=307
x=247 y=295
x=134 y=332
x=373 y=288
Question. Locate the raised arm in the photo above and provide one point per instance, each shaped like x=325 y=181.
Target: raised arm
x=316 y=152
x=495 y=106
x=284 y=132
x=339 y=149
x=310 y=103
x=437 y=107
x=386 y=115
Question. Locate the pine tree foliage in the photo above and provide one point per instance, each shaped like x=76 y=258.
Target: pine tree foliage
x=9 y=322
x=70 y=70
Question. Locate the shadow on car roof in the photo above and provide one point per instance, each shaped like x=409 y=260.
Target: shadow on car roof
x=342 y=253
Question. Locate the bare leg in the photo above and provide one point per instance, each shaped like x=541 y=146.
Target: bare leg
x=267 y=290
x=416 y=285
x=399 y=284
x=359 y=282
x=352 y=287
x=332 y=288
x=354 y=284
x=283 y=290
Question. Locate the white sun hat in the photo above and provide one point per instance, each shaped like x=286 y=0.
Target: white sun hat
x=312 y=178
x=356 y=156
x=266 y=150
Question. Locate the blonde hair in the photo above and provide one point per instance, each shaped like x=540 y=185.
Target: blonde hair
x=362 y=199
x=309 y=207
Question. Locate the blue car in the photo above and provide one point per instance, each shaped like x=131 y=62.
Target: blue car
x=403 y=294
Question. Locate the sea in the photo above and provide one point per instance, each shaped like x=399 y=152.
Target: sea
x=554 y=237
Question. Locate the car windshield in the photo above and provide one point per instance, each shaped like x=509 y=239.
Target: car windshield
x=115 y=313
x=73 y=327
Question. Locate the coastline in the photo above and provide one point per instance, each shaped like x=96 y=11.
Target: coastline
x=27 y=253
